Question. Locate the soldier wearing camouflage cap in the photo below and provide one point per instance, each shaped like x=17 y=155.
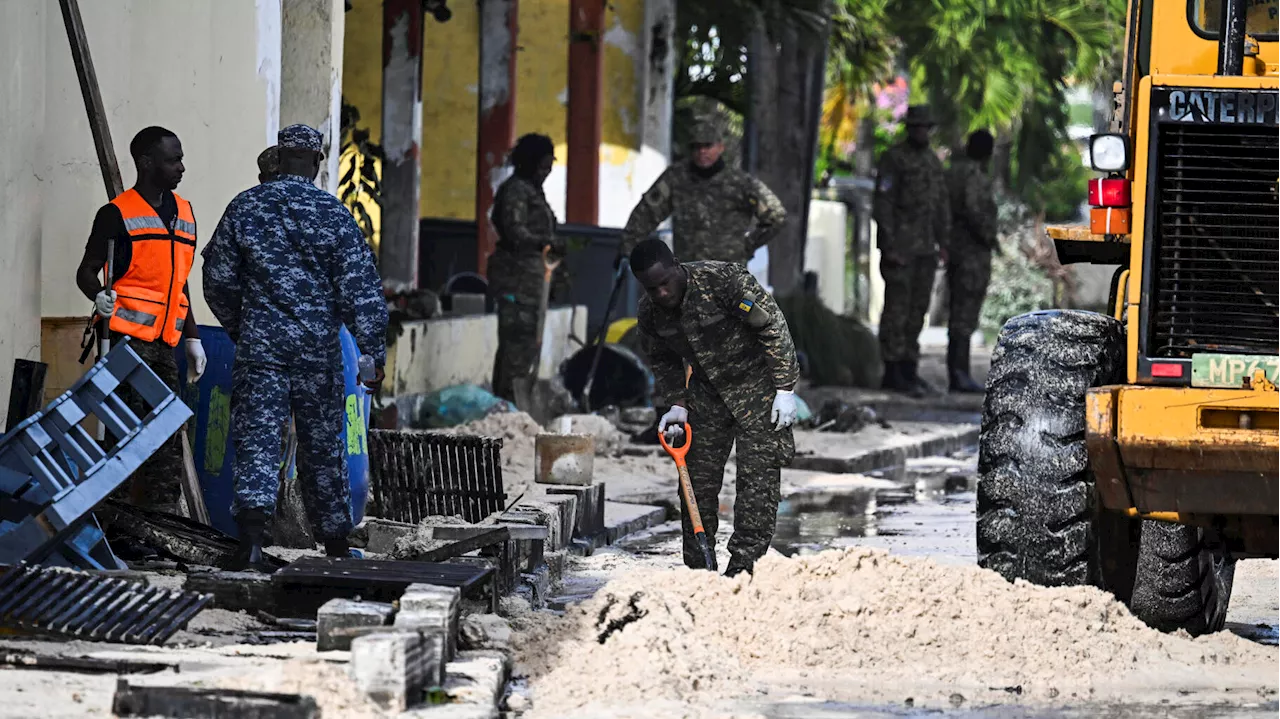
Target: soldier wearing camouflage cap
x=717 y=212
x=913 y=223
x=285 y=270
x=269 y=164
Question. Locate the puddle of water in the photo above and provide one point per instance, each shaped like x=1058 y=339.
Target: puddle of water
x=810 y=521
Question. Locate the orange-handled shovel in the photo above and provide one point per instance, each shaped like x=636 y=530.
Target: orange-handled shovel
x=686 y=491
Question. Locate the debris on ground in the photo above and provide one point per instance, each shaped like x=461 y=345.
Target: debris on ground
x=860 y=625
x=840 y=416
x=484 y=631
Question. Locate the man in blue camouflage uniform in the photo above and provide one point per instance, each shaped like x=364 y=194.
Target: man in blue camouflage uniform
x=286 y=268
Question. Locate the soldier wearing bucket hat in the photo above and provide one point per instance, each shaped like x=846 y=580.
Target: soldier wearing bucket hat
x=717 y=212
x=913 y=220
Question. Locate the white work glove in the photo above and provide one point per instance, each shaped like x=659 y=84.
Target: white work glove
x=672 y=423
x=105 y=302
x=784 y=409
x=195 y=361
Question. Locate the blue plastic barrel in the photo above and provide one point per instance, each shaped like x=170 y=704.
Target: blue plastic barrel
x=213 y=449
x=355 y=432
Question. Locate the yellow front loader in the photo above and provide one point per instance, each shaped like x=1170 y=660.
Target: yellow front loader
x=1139 y=450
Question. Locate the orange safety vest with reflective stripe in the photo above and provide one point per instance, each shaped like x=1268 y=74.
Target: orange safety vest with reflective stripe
x=150 y=302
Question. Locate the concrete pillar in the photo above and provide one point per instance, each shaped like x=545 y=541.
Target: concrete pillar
x=311 y=74
x=497 y=116
x=659 y=85
x=22 y=165
x=586 y=72
x=401 y=132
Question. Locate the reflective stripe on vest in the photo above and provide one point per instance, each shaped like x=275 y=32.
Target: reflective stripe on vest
x=150 y=303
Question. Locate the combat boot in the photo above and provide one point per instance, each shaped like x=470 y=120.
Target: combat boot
x=958 y=369
x=339 y=548
x=249 y=555
x=897 y=378
x=918 y=386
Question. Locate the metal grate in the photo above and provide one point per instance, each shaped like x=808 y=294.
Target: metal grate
x=1216 y=259
x=92 y=606
x=414 y=474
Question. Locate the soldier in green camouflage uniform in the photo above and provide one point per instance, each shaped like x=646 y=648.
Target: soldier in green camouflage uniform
x=525 y=224
x=973 y=239
x=716 y=317
x=913 y=224
x=717 y=212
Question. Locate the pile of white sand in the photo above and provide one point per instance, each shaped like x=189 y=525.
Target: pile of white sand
x=860 y=625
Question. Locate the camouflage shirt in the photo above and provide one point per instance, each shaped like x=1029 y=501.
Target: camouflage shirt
x=733 y=334
x=712 y=215
x=911 y=209
x=973 y=205
x=286 y=268
x=525 y=222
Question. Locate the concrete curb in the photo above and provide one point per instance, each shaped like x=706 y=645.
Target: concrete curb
x=885 y=457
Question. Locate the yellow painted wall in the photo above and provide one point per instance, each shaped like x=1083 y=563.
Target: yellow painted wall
x=362 y=63
x=623 y=55
x=450 y=98
x=450 y=102
x=542 y=72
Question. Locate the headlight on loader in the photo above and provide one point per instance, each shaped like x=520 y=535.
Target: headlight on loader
x=1109 y=152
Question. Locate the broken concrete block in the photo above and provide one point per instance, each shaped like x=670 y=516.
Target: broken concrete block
x=567 y=507
x=589 y=516
x=478 y=677
x=429 y=608
x=564 y=458
x=555 y=512
x=338 y=614
x=379 y=535
x=390 y=668
x=484 y=631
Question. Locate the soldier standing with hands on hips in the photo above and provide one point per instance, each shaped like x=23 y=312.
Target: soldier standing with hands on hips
x=913 y=224
x=716 y=317
x=286 y=268
x=717 y=212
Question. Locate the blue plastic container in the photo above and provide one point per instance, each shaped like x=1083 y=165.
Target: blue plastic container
x=213 y=449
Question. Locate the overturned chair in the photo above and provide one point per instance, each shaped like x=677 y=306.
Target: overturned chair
x=53 y=472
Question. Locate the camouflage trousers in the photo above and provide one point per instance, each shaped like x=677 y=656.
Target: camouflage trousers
x=517 y=346
x=262 y=397
x=762 y=452
x=967 y=276
x=157 y=484
x=907 y=290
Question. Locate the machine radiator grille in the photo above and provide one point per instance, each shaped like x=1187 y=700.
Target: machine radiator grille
x=1216 y=258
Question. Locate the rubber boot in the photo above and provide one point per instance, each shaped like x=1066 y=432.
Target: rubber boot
x=249 y=555
x=958 y=369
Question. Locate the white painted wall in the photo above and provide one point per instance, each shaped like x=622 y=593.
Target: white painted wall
x=445 y=351
x=22 y=175
x=825 y=251
x=207 y=69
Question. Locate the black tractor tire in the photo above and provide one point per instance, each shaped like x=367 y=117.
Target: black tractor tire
x=1037 y=509
x=1181 y=583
